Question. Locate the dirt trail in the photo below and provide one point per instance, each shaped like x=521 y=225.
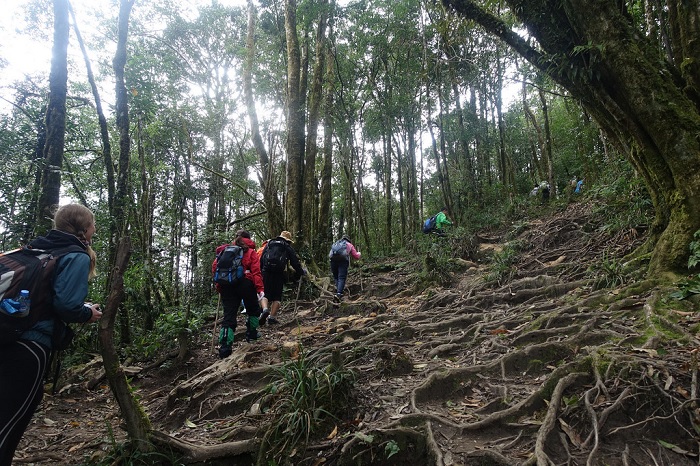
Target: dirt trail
x=538 y=363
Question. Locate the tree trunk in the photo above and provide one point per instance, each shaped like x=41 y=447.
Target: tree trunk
x=547 y=154
x=647 y=105
x=388 y=198
x=101 y=119
x=137 y=423
x=49 y=195
x=446 y=185
x=537 y=152
x=324 y=208
x=503 y=165
x=275 y=215
x=315 y=100
x=400 y=187
x=415 y=203
x=295 y=124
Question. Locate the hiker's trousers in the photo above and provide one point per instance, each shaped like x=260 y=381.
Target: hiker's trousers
x=340 y=275
x=22 y=368
x=231 y=296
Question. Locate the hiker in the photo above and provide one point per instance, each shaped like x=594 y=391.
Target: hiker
x=440 y=221
x=544 y=189
x=264 y=301
x=273 y=263
x=534 y=191
x=248 y=288
x=579 y=186
x=24 y=362
x=341 y=252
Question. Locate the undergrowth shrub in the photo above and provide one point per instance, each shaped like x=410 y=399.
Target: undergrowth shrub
x=167 y=329
x=501 y=267
x=609 y=272
x=691 y=285
x=622 y=203
x=125 y=453
x=305 y=398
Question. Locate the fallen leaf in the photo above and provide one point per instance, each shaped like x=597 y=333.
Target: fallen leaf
x=571 y=433
x=333 y=434
x=683 y=392
x=76 y=447
x=190 y=424
x=676 y=448
x=668 y=383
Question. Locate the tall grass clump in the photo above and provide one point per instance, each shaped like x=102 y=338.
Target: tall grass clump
x=305 y=397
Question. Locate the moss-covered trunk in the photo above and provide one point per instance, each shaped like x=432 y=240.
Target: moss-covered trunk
x=645 y=101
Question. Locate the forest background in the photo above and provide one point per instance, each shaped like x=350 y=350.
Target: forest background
x=178 y=125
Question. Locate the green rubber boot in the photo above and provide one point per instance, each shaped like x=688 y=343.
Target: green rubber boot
x=252 y=325
x=226 y=336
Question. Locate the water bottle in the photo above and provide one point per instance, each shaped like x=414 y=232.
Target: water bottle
x=7 y=306
x=24 y=303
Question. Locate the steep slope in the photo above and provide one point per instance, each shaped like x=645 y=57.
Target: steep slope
x=530 y=345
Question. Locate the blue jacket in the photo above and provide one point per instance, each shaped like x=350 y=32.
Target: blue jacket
x=70 y=287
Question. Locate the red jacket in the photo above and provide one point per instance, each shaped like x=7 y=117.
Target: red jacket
x=251 y=264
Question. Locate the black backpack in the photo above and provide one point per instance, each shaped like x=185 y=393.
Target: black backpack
x=229 y=265
x=32 y=270
x=275 y=256
x=339 y=250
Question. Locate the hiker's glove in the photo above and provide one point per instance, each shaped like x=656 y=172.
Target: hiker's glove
x=261 y=295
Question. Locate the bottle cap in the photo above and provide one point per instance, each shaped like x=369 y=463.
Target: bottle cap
x=24 y=293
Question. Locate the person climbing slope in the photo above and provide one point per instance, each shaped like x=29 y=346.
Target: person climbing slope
x=273 y=263
x=242 y=281
x=341 y=253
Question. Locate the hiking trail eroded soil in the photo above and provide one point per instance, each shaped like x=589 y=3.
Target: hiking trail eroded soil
x=557 y=360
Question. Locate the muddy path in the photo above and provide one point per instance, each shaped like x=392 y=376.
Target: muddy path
x=528 y=345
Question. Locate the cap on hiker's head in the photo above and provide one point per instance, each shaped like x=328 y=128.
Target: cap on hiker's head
x=345 y=237
x=287 y=236
x=444 y=209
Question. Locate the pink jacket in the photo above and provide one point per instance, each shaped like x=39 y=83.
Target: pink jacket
x=352 y=252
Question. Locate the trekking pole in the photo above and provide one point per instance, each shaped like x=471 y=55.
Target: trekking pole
x=298 y=293
x=216 y=319
x=362 y=286
x=56 y=357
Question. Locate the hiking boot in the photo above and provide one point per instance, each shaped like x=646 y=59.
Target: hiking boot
x=263 y=317
x=338 y=297
x=225 y=351
x=271 y=320
x=252 y=336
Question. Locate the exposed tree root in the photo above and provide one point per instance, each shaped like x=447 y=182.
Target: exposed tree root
x=541 y=369
x=192 y=453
